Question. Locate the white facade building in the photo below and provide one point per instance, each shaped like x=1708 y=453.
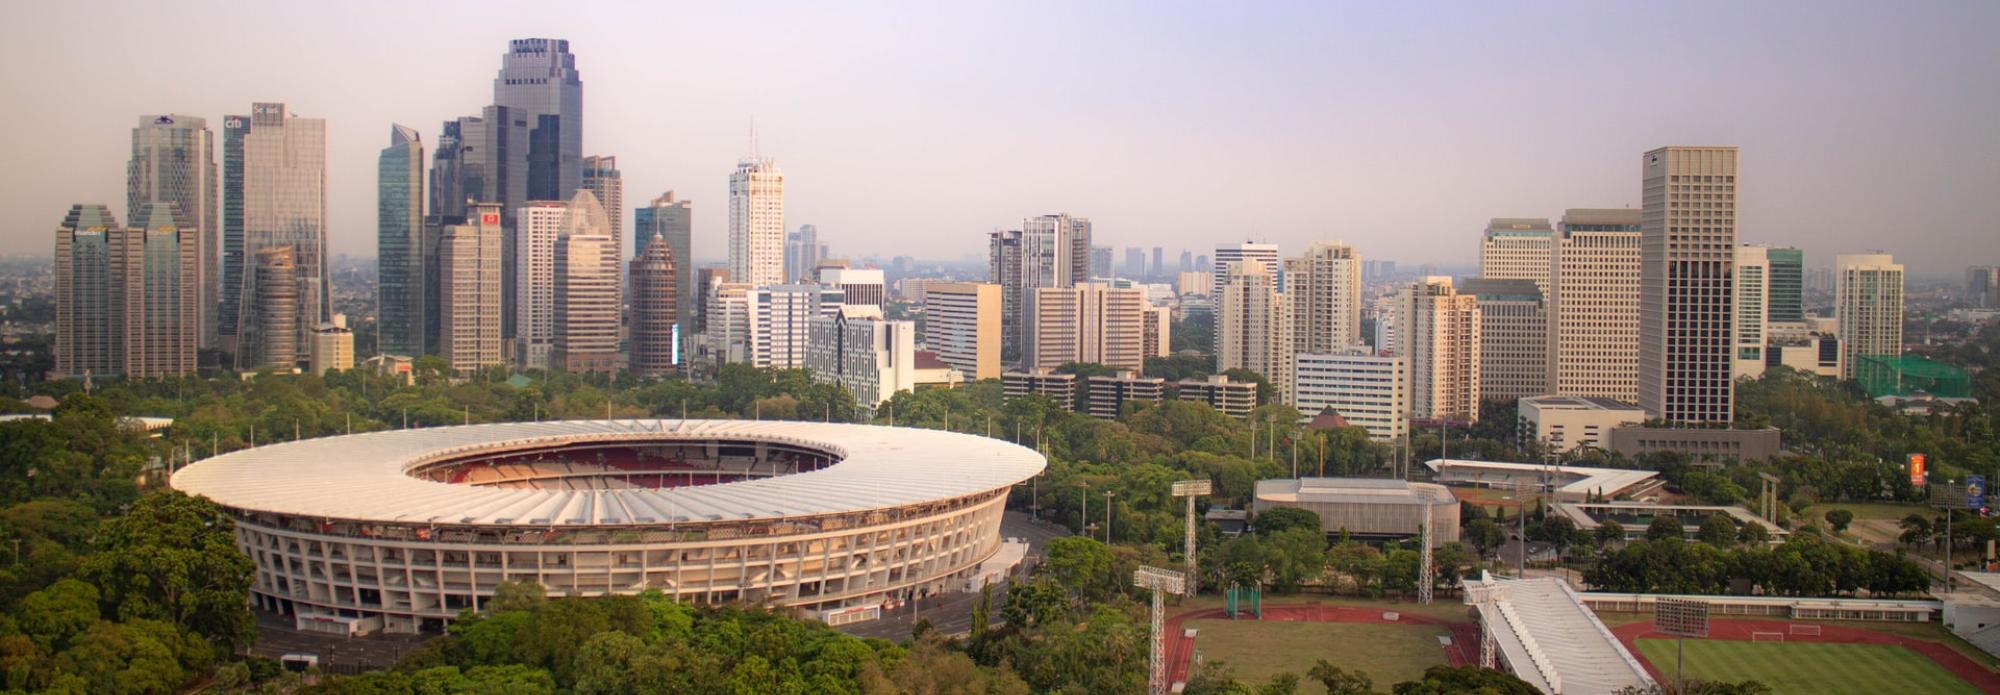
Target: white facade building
x=1594 y=305
x=757 y=223
x=1563 y=423
x=871 y=356
x=1368 y=390
x=1253 y=325
x=1516 y=249
x=537 y=226
x=1325 y=287
x=1090 y=322
x=1868 y=305
x=1441 y=336
x=1753 y=309
x=1265 y=255
x=1687 y=258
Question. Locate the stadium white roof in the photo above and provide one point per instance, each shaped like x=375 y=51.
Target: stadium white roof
x=1550 y=638
x=1575 y=480
x=362 y=477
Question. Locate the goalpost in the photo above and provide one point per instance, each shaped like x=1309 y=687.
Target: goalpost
x=1767 y=637
x=1805 y=630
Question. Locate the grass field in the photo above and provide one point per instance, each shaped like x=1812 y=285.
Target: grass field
x=1446 y=609
x=1258 y=650
x=1808 y=668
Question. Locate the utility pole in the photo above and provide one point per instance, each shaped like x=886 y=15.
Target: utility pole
x=1083 y=518
x=1107 y=517
x=1424 y=577
x=1161 y=582
x=1192 y=489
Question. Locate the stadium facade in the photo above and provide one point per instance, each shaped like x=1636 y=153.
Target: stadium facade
x=399 y=531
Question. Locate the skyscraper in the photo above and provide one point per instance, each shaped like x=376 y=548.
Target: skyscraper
x=1048 y=251
x=1868 y=306
x=542 y=131
x=673 y=220
x=1593 y=305
x=399 y=244
x=1158 y=268
x=1516 y=249
x=1135 y=263
x=1787 y=285
x=538 y=226
x=1089 y=322
x=273 y=194
x=271 y=333
x=157 y=269
x=1253 y=322
x=1982 y=285
x=1753 y=310
x=601 y=178
x=586 y=294
x=88 y=329
x=757 y=223
x=460 y=168
x=469 y=306
x=655 y=344
x=1100 y=262
x=962 y=325
x=1265 y=254
x=173 y=161
x=802 y=254
x=1325 y=286
x=1687 y=253
x=1441 y=337
x=1513 y=338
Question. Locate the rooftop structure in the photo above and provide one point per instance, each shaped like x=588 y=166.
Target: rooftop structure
x=1542 y=632
x=1568 y=482
x=1367 y=507
x=1635 y=517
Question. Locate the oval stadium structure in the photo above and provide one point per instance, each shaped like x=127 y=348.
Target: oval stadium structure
x=399 y=531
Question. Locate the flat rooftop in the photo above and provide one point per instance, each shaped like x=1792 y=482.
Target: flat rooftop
x=1575 y=480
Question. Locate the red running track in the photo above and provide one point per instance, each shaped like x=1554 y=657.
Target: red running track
x=1736 y=629
x=1180 y=649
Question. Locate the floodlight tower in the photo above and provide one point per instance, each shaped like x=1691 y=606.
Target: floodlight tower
x=1162 y=582
x=1192 y=489
x=1424 y=577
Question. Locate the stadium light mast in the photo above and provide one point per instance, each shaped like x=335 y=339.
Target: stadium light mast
x=1192 y=489
x=1424 y=577
x=1161 y=582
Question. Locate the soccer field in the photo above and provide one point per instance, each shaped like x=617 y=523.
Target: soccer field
x=1260 y=649
x=1808 y=668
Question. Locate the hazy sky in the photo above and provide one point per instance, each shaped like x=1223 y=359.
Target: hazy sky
x=915 y=128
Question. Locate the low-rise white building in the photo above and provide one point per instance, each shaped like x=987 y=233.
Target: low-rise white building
x=332 y=346
x=869 y=355
x=1563 y=423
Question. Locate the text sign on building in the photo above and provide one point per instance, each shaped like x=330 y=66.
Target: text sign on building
x=1916 y=470
x=1975 y=492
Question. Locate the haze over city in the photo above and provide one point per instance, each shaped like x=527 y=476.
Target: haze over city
x=911 y=130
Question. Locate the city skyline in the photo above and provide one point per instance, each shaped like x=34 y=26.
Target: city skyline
x=1376 y=145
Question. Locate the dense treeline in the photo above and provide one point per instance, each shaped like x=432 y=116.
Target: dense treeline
x=1805 y=565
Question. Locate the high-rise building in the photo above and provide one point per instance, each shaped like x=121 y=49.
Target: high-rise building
x=706 y=278
x=1265 y=254
x=1593 y=305
x=1982 y=285
x=1253 y=322
x=173 y=161
x=271 y=334
x=1516 y=249
x=459 y=170
x=1157 y=331
x=673 y=219
x=655 y=323
x=1090 y=322
x=1100 y=261
x=857 y=348
x=541 y=136
x=601 y=178
x=780 y=322
x=857 y=285
x=468 y=282
x=1368 y=390
x=273 y=194
x=538 y=225
x=1325 y=286
x=158 y=268
x=586 y=293
x=1187 y=262
x=89 y=336
x=802 y=254
x=1441 y=336
x=1048 y=251
x=1513 y=338
x=757 y=223
x=399 y=245
x=962 y=325
x=1687 y=252
x=1158 y=268
x=1135 y=263
x=1753 y=310
x=1787 y=282
x=1868 y=307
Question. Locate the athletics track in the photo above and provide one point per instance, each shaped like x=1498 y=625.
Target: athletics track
x=1736 y=629
x=1180 y=648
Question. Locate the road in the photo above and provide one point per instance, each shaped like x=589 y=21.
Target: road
x=951 y=614
x=276 y=637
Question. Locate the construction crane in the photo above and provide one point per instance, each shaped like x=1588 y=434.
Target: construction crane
x=1161 y=582
x=1192 y=489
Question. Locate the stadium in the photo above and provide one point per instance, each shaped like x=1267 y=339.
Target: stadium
x=399 y=531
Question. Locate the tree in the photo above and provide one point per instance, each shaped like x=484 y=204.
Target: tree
x=1447 y=680
x=1608 y=532
x=1275 y=520
x=1296 y=555
x=1839 y=519
x=52 y=616
x=173 y=558
x=1753 y=534
x=1339 y=681
x=1664 y=526
x=1484 y=534
x=1717 y=530
x=1083 y=566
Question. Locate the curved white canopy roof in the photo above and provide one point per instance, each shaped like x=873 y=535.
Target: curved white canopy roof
x=362 y=477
